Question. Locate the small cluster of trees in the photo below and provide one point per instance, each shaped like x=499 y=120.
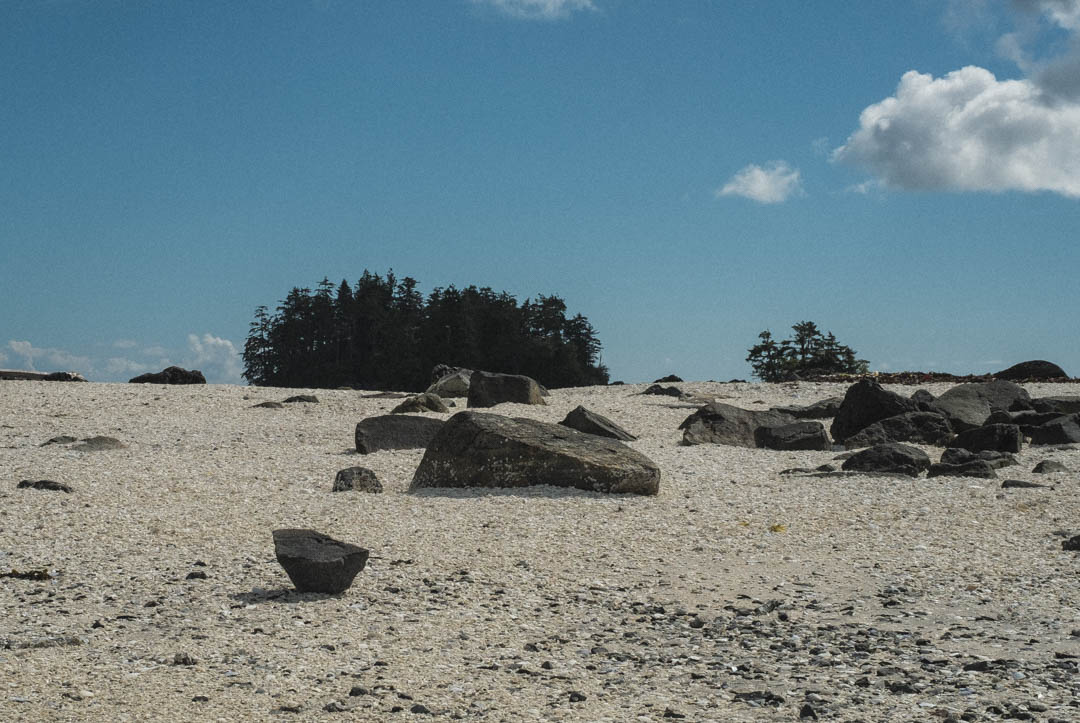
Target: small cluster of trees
x=381 y=333
x=808 y=353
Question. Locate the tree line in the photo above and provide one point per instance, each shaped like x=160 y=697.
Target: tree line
x=381 y=333
x=807 y=353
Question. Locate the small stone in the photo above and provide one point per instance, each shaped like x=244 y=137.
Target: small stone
x=183 y=659
x=807 y=711
x=45 y=485
x=420 y=709
x=577 y=697
x=671 y=713
x=196 y=575
x=200 y=699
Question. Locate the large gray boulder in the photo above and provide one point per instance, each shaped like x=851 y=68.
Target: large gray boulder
x=1035 y=369
x=1061 y=405
x=798 y=435
x=719 y=423
x=867 y=402
x=453 y=384
x=959 y=456
x=171 y=375
x=487 y=389
x=395 y=431
x=588 y=421
x=318 y=563
x=992 y=437
x=1063 y=430
x=475 y=449
x=969 y=405
x=893 y=458
x=917 y=427
x=822 y=409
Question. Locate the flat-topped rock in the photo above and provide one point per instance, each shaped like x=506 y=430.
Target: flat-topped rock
x=395 y=431
x=170 y=375
x=896 y=458
x=487 y=389
x=719 y=423
x=316 y=562
x=585 y=420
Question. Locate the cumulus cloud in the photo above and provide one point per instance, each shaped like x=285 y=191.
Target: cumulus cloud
x=217 y=358
x=970 y=131
x=538 y=9
x=776 y=182
x=125 y=344
x=50 y=359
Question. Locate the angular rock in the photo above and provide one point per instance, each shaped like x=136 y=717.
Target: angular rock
x=1063 y=430
x=1027 y=418
x=971 y=468
x=452 y=384
x=487 y=389
x=958 y=456
x=1072 y=544
x=268 y=405
x=16 y=375
x=1020 y=484
x=663 y=391
x=171 y=375
x=893 y=457
x=923 y=400
x=969 y=405
x=719 y=423
x=318 y=563
x=426 y=402
x=395 y=431
x=1036 y=369
x=669 y=379
x=822 y=409
x=585 y=420
x=867 y=402
x=993 y=437
x=44 y=484
x=474 y=449
x=918 y=427
x=797 y=435
x=1061 y=405
x=302 y=398
x=99 y=444
x=1049 y=466
x=360 y=479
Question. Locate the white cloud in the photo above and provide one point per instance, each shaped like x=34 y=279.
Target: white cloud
x=538 y=9
x=117 y=366
x=217 y=358
x=968 y=131
x=53 y=360
x=3 y=357
x=125 y=344
x=774 y=183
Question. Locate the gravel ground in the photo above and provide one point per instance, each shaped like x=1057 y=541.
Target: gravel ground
x=736 y=594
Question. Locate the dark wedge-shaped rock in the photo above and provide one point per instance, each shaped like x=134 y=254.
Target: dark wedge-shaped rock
x=895 y=458
x=318 y=563
x=487 y=389
x=588 y=421
x=993 y=437
x=395 y=431
x=867 y=402
x=798 y=435
x=917 y=427
x=719 y=423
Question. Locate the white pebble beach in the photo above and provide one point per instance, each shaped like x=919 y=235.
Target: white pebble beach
x=735 y=594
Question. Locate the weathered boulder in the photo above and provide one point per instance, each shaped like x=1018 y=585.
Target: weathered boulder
x=867 y=402
x=474 y=449
x=797 y=435
x=452 y=384
x=719 y=423
x=959 y=456
x=1063 y=430
x=17 y=375
x=1049 y=466
x=1072 y=544
x=1035 y=369
x=44 y=484
x=971 y=468
x=360 y=479
x=822 y=409
x=426 y=402
x=923 y=399
x=969 y=405
x=395 y=431
x=1061 y=405
x=585 y=420
x=669 y=379
x=995 y=437
x=487 y=389
x=171 y=375
x=1027 y=418
x=892 y=457
x=663 y=391
x=318 y=563
x=918 y=427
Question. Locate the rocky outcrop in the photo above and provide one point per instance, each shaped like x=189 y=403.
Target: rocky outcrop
x=15 y=375
x=1061 y=405
x=917 y=427
x=454 y=383
x=395 y=431
x=1062 y=430
x=318 y=563
x=958 y=456
x=171 y=375
x=970 y=405
x=662 y=391
x=487 y=389
x=1035 y=369
x=797 y=435
x=892 y=458
x=474 y=449
x=719 y=423
x=971 y=468
x=992 y=437
x=359 y=479
x=426 y=402
x=585 y=420
x=867 y=402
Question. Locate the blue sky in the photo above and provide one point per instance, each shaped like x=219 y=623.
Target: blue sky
x=685 y=174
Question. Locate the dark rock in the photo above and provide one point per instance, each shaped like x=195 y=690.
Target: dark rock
x=1063 y=430
x=303 y=398
x=807 y=711
x=1026 y=419
x=867 y=402
x=426 y=402
x=669 y=379
x=897 y=458
x=663 y=391
x=64 y=377
x=997 y=460
x=1048 y=466
x=797 y=435
x=44 y=484
x=923 y=399
x=474 y=449
x=395 y=431
x=171 y=375
x=994 y=437
x=99 y=444
x=15 y=375
x=971 y=468
x=969 y=405
x=917 y=427
x=719 y=423
x=822 y=409
x=584 y=420
x=1020 y=484
x=577 y=697
x=444 y=370
x=1061 y=405
x=318 y=563
x=269 y=405
x=1072 y=544
x=196 y=575
x=62 y=439
x=360 y=479
x=452 y=384
x=487 y=389
x=1036 y=369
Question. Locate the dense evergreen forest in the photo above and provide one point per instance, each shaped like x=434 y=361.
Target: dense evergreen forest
x=381 y=333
